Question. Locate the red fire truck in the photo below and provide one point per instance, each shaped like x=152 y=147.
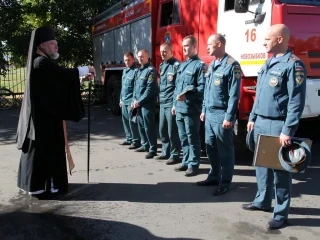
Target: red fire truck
x=131 y=25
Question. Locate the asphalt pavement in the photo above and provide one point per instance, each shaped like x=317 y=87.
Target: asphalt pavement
x=133 y=198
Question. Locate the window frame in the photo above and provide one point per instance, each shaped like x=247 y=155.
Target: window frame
x=175 y=12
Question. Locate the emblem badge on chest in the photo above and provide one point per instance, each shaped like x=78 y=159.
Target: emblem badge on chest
x=273 y=82
x=170 y=78
x=217 y=82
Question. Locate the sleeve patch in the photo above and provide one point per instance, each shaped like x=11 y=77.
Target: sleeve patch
x=299 y=73
x=237 y=74
x=299 y=77
x=151 y=77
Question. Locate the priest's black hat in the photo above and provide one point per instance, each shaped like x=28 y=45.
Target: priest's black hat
x=43 y=34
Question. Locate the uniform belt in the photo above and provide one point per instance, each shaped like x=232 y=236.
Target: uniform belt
x=216 y=108
x=280 y=118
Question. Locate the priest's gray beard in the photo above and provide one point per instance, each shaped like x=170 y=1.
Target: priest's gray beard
x=54 y=56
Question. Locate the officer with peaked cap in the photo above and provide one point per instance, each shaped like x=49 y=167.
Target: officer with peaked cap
x=278 y=106
x=52 y=94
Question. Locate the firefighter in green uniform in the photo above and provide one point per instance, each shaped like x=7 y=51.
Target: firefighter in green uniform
x=219 y=110
x=144 y=99
x=127 y=86
x=187 y=104
x=168 y=130
x=278 y=107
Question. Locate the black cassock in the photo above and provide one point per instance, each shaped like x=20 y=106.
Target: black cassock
x=55 y=96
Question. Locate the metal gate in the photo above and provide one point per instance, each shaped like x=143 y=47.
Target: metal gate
x=12 y=87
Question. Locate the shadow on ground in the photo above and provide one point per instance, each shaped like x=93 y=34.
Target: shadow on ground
x=179 y=192
x=50 y=225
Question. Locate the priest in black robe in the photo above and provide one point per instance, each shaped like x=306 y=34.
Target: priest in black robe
x=52 y=94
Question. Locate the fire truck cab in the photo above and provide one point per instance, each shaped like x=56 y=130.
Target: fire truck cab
x=131 y=25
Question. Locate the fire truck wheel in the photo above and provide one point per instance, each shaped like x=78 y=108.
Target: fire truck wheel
x=113 y=94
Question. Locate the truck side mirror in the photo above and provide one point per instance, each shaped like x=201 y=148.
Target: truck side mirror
x=241 y=6
x=259 y=18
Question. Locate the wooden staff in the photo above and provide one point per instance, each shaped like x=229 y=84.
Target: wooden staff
x=68 y=152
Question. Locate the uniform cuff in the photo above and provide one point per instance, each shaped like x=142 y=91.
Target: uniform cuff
x=252 y=117
x=83 y=71
x=288 y=131
x=228 y=117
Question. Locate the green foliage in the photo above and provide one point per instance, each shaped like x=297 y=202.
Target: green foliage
x=72 y=21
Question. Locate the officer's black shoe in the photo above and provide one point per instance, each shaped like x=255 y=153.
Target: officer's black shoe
x=161 y=157
x=172 y=161
x=125 y=143
x=220 y=191
x=181 y=168
x=276 y=224
x=208 y=183
x=191 y=172
x=150 y=155
x=141 y=149
x=132 y=146
x=251 y=207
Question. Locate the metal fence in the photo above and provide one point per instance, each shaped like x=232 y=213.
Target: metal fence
x=14 y=81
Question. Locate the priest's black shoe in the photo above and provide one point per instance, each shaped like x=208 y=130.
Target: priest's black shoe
x=125 y=143
x=208 y=183
x=276 y=224
x=251 y=207
x=48 y=196
x=41 y=196
x=150 y=155
x=220 y=191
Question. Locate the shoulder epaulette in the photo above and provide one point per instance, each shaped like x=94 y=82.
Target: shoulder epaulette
x=37 y=60
x=230 y=60
x=176 y=63
x=293 y=58
x=151 y=68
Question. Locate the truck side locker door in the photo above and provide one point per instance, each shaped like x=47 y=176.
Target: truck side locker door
x=170 y=27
